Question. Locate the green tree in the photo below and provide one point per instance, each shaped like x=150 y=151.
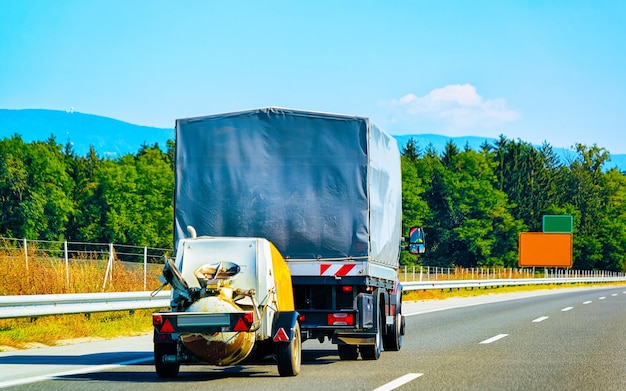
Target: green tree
x=46 y=207
x=13 y=185
x=583 y=188
x=471 y=223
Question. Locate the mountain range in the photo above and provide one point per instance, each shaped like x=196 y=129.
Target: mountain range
x=114 y=138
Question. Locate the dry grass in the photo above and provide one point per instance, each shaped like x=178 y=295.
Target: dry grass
x=441 y=294
x=44 y=275
x=51 y=276
x=443 y=274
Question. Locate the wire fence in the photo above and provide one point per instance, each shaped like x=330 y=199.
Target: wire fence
x=154 y=257
x=131 y=256
x=430 y=273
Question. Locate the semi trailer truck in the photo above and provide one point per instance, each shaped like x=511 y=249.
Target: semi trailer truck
x=287 y=228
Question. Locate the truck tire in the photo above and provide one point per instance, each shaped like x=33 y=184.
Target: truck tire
x=348 y=352
x=372 y=352
x=163 y=369
x=289 y=355
x=393 y=341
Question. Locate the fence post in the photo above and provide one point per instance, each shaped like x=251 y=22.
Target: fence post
x=109 y=272
x=67 y=267
x=26 y=253
x=145 y=267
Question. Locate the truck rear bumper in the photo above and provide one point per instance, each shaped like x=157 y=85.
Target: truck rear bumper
x=354 y=338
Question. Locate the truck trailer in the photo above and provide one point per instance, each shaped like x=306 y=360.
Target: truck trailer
x=299 y=214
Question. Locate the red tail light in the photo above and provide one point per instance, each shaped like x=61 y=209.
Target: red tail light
x=244 y=323
x=341 y=319
x=346 y=288
x=157 y=320
x=167 y=327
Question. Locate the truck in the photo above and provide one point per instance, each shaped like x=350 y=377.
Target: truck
x=287 y=228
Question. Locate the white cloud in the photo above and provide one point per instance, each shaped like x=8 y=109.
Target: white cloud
x=456 y=108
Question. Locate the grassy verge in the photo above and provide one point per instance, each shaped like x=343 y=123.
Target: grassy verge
x=25 y=333
x=441 y=294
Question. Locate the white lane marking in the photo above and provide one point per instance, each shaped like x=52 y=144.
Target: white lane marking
x=567 y=309
x=614 y=294
x=80 y=371
x=541 y=319
x=602 y=298
x=392 y=385
x=587 y=302
x=493 y=339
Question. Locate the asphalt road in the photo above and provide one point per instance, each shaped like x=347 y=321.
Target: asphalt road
x=569 y=339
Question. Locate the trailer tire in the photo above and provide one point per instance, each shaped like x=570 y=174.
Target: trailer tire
x=289 y=355
x=372 y=352
x=162 y=369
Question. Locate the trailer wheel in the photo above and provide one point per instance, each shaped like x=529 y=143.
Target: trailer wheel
x=163 y=369
x=372 y=352
x=348 y=352
x=393 y=340
x=289 y=355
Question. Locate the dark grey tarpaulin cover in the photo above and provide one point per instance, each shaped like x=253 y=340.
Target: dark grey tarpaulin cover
x=315 y=184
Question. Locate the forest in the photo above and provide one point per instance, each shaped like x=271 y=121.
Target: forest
x=471 y=204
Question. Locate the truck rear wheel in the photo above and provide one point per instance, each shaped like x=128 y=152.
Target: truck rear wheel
x=348 y=352
x=372 y=352
x=393 y=340
x=289 y=355
x=163 y=369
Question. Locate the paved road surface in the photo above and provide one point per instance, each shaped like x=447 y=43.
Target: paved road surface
x=567 y=339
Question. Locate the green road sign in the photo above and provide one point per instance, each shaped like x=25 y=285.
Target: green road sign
x=558 y=223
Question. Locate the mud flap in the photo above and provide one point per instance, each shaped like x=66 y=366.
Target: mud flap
x=284 y=325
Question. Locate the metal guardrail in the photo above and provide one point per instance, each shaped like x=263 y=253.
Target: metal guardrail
x=75 y=303
x=457 y=284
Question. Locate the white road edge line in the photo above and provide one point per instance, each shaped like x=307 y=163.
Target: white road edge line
x=493 y=339
x=541 y=319
x=81 y=371
x=392 y=385
x=567 y=309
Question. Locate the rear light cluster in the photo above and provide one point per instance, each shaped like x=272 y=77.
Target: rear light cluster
x=244 y=323
x=340 y=319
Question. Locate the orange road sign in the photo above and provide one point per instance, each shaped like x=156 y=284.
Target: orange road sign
x=545 y=249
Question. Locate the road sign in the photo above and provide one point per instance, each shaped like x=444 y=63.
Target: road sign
x=558 y=223
x=545 y=249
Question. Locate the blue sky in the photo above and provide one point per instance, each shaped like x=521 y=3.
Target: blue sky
x=538 y=71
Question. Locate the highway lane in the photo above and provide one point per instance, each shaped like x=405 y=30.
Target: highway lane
x=569 y=339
